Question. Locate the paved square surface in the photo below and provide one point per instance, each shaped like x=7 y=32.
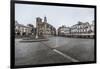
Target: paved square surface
x=56 y=50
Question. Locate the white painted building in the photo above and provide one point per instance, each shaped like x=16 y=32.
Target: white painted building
x=92 y=27
x=21 y=30
x=63 y=30
x=80 y=28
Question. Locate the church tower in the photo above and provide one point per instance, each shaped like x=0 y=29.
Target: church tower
x=45 y=19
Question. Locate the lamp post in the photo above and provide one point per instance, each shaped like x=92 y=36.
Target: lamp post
x=36 y=31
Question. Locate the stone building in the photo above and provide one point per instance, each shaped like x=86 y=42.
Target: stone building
x=43 y=28
x=92 y=27
x=64 y=31
x=80 y=28
x=21 y=30
x=83 y=30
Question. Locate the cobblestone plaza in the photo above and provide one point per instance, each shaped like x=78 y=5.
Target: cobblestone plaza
x=56 y=50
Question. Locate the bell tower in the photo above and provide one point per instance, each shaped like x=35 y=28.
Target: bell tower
x=45 y=19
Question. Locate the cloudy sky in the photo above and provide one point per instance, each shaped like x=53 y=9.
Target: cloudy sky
x=56 y=15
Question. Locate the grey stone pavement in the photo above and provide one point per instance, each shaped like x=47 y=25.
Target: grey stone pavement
x=56 y=50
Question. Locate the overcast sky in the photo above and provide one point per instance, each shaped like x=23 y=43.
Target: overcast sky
x=56 y=15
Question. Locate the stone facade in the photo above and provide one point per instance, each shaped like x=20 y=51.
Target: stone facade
x=63 y=30
x=92 y=27
x=21 y=30
x=82 y=28
x=44 y=28
x=78 y=30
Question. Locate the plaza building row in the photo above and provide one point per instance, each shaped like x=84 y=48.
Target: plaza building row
x=22 y=30
x=63 y=30
x=78 y=30
x=42 y=29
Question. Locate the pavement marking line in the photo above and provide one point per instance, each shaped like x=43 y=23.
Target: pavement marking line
x=70 y=58
x=59 y=52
